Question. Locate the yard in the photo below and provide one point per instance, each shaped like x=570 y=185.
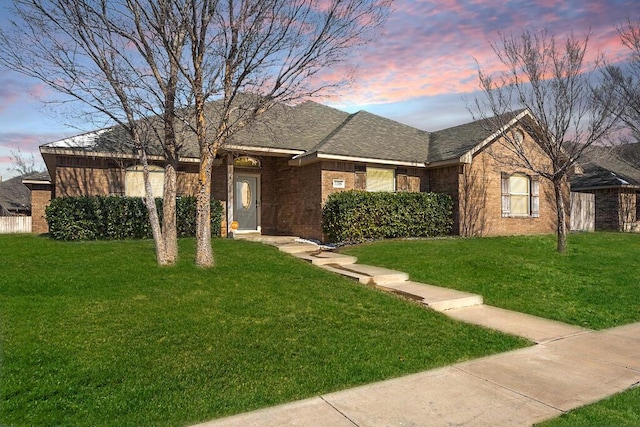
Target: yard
x=621 y=410
x=94 y=333
x=594 y=284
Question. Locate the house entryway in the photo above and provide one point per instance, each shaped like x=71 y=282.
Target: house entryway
x=246 y=196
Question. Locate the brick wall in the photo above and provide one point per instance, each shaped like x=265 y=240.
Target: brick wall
x=607 y=205
x=409 y=179
x=40 y=199
x=340 y=171
x=78 y=181
x=477 y=194
x=102 y=177
x=498 y=225
x=299 y=203
x=187 y=180
x=446 y=180
x=292 y=197
x=269 y=194
x=616 y=209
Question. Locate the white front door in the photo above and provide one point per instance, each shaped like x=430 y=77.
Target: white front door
x=246 y=197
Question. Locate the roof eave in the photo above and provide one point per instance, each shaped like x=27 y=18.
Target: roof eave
x=464 y=159
x=318 y=157
x=281 y=152
x=36 y=181
x=605 y=187
x=105 y=154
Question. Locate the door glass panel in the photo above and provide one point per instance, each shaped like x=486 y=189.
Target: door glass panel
x=245 y=195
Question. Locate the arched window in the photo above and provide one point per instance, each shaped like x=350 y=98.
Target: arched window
x=246 y=162
x=134 y=181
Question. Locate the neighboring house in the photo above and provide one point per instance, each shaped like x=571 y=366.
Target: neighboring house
x=15 y=198
x=612 y=175
x=275 y=175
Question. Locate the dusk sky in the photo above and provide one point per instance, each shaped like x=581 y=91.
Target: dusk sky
x=421 y=70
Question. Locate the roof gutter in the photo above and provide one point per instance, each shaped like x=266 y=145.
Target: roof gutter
x=318 y=157
x=84 y=153
x=605 y=187
x=248 y=148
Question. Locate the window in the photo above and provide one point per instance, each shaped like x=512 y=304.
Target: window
x=134 y=181
x=379 y=179
x=520 y=196
x=246 y=162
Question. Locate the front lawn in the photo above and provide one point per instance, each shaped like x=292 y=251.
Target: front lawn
x=594 y=285
x=620 y=410
x=95 y=333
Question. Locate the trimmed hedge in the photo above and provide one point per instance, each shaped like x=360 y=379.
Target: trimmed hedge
x=355 y=216
x=119 y=218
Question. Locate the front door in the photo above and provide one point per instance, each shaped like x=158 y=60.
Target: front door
x=246 y=202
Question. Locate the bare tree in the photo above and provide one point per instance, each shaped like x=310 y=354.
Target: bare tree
x=626 y=78
x=225 y=63
x=23 y=164
x=249 y=55
x=118 y=57
x=571 y=104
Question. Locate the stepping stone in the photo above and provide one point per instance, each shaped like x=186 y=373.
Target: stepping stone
x=297 y=248
x=371 y=275
x=278 y=240
x=324 y=258
x=437 y=298
x=362 y=278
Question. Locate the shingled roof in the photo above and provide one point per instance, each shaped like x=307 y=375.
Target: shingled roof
x=296 y=128
x=311 y=131
x=283 y=127
x=609 y=168
x=455 y=142
x=15 y=197
x=369 y=137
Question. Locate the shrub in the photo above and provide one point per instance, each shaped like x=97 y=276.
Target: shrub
x=354 y=216
x=118 y=218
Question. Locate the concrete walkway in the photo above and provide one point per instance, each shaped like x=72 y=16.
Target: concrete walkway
x=570 y=367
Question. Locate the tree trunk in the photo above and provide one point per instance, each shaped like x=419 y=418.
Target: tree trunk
x=561 y=215
x=170 y=233
x=154 y=220
x=204 y=252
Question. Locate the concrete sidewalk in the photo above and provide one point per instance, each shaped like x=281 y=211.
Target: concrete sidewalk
x=568 y=368
x=517 y=388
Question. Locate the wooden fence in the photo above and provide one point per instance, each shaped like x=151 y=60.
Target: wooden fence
x=583 y=212
x=15 y=224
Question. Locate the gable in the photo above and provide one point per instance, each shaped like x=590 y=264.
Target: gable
x=464 y=140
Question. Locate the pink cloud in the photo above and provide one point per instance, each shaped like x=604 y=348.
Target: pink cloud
x=27 y=142
x=428 y=48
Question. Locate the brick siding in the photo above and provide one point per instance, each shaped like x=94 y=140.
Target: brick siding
x=477 y=195
x=616 y=209
x=40 y=199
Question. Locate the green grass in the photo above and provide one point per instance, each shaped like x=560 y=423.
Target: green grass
x=95 y=333
x=594 y=284
x=620 y=410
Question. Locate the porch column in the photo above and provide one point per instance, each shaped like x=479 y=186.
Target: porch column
x=230 y=185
